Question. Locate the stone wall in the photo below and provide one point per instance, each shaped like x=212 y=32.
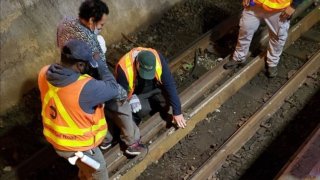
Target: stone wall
x=28 y=36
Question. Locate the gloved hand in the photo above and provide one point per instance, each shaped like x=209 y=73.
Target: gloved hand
x=135 y=104
x=122 y=94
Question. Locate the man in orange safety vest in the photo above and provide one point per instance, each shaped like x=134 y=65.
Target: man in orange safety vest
x=72 y=106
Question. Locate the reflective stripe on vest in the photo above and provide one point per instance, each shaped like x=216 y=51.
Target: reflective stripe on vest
x=127 y=65
x=72 y=144
x=77 y=131
x=271 y=5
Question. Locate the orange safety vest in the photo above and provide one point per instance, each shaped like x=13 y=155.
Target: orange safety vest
x=127 y=65
x=66 y=126
x=273 y=5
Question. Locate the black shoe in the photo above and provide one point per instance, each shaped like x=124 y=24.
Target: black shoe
x=232 y=64
x=272 y=72
x=105 y=145
x=136 y=149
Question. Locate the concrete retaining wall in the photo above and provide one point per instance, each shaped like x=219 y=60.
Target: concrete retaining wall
x=28 y=36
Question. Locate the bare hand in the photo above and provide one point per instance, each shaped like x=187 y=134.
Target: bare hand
x=179 y=119
x=287 y=13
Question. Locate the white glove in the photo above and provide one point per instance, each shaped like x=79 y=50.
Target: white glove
x=102 y=43
x=135 y=104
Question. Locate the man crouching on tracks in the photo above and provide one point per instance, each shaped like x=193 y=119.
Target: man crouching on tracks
x=277 y=16
x=145 y=75
x=72 y=108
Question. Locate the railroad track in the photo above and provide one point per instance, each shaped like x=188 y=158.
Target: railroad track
x=170 y=137
x=245 y=132
x=251 y=126
x=153 y=130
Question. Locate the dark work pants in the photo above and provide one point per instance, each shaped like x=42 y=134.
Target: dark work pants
x=151 y=105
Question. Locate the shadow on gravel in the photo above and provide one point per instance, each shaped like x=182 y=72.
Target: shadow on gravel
x=287 y=143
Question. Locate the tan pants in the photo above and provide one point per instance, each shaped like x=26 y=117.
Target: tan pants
x=249 y=23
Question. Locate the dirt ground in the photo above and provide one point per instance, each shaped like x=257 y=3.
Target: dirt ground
x=21 y=129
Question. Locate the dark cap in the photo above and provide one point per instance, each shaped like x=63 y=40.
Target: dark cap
x=147 y=64
x=79 y=50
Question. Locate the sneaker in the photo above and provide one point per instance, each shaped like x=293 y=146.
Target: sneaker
x=232 y=64
x=105 y=145
x=272 y=72
x=135 y=149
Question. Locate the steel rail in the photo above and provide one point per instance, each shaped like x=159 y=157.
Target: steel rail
x=115 y=158
x=246 y=131
x=299 y=168
x=203 y=41
x=166 y=140
x=229 y=148
x=114 y=155
x=153 y=125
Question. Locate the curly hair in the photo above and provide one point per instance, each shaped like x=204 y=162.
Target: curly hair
x=93 y=8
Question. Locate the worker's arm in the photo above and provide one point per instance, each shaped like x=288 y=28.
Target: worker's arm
x=96 y=92
x=169 y=86
x=122 y=79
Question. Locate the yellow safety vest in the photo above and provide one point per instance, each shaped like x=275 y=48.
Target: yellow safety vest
x=66 y=126
x=126 y=63
x=273 y=5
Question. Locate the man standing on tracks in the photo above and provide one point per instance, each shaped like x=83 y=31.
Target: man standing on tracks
x=72 y=106
x=145 y=75
x=276 y=14
x=92 y=17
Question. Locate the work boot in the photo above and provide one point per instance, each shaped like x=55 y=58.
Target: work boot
x=272 y=72
x=135 y=149
x=232 y=64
